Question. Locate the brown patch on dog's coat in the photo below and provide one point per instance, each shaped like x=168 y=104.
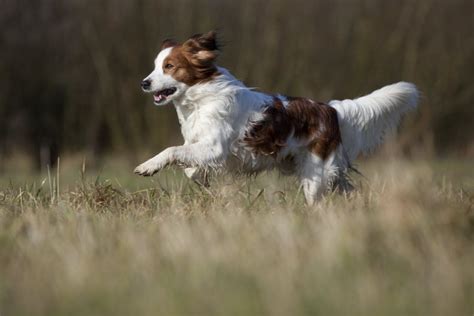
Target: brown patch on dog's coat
x=194 y=60
x=313 y=122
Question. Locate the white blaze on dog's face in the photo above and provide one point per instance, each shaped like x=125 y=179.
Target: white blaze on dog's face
x=180 y=66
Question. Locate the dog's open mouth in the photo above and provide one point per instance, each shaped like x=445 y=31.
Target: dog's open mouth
x=161 y=95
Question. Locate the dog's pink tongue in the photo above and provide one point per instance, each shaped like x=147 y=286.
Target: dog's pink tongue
x=159 y=97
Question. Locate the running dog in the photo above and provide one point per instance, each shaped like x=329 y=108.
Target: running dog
x=228 y=126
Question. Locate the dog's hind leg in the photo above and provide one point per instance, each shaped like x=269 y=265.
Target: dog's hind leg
x=317 y=176
x=312 y=178
x=198 y=175
x=340 y=167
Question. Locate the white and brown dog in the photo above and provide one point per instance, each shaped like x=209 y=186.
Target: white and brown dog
x=228 y=126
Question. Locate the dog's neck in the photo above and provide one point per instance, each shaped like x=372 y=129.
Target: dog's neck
x=218 y=90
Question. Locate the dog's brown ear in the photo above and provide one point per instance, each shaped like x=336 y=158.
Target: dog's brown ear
x=168 y=43
x=206 y=41
x=203 y=47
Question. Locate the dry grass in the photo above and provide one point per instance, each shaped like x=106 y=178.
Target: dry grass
x=402 y=245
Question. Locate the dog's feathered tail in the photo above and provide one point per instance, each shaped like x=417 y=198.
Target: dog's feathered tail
x=364 y=122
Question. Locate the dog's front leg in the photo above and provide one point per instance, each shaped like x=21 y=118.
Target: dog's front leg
x=205 y=155
x=155 y=164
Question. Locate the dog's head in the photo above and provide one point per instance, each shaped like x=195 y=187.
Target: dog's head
x=180 y=66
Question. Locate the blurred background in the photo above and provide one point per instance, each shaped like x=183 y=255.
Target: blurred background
x=70 y=70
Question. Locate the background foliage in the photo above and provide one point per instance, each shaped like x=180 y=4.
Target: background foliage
x=70 y=70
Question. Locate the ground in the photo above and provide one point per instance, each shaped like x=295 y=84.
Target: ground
x=117 y=244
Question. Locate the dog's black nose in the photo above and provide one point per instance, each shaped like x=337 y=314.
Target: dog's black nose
x=146 y=84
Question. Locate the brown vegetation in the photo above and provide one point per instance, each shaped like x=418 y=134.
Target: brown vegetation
x=401 y=245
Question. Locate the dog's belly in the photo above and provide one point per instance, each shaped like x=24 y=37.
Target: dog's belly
x=244 y=161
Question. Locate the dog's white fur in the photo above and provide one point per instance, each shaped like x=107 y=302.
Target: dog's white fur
x=214 y=116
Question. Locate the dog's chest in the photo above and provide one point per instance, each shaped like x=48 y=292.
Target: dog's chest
x=213 y=121
x=193 y=130
x=194 y=125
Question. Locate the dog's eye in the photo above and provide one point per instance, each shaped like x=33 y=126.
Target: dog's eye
x=168 y=66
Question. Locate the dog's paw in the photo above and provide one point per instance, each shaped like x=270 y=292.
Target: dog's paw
x=147 y=169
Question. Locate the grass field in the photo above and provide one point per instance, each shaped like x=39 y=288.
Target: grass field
x=116 y=244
